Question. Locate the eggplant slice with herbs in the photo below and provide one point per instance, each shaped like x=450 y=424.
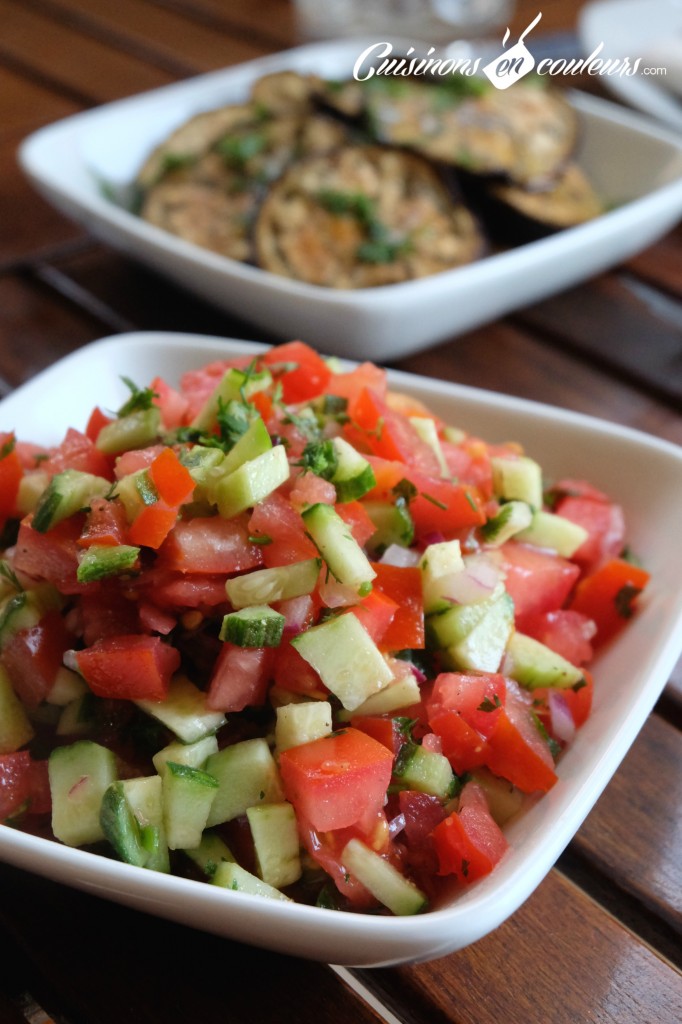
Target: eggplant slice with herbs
x=208 y=190
x=521 y=214
x=362 y=216
x=525 y=136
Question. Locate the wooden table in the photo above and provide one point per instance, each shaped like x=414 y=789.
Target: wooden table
x=600 y=939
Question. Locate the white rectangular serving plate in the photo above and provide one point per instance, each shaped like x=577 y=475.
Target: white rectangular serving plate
x=635 y=166
x=637 y=470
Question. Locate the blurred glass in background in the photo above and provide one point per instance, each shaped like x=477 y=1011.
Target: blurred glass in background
x=432 y=21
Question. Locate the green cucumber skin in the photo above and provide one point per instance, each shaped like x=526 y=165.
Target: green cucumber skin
x=258 y=626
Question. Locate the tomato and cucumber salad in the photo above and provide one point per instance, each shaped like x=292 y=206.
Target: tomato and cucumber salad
x=281 y=629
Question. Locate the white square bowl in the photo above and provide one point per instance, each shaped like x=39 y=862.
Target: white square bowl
x=641 y=472
x=635 y=165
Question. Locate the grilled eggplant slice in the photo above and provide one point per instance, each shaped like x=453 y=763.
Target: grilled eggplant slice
x=522 y=215
x=525 y=135
x=362 y=216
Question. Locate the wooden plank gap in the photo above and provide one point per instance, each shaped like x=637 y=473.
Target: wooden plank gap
x=658 y=935
x=74 y=293
x=231 y=26
x=48 y=254
x=118 y=40
x=355 y=984
x=46 y=81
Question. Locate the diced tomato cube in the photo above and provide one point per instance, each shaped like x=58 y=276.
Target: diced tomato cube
x=605 y=525
x=33 y=657
x=538 y=580
x=376 y=613
x=565 y=631
x=152 y=525
x=292 y=672
x=240 y=678
x=516 y=749
x=172 y=403
x=351 y=385
x=389 y=434
x=97 y=420
x=357 y=518
x=403 y=585
x=302 y=373
x=172 y=480
x=608 y=596
x=468 y=842
x=382 y=729
x=337 y=780
x=11 y=472
x=51 y=557
x=129 y=667
x=77 y=451
x=105 y=524
x=210 y=544
x=280 y=525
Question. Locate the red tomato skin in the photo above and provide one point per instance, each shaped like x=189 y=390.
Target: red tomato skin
x=351 y=385
x=277 y=520
x=337 y=780
x=11 y=472
x=172 y=480
x=33 y=657
x=468 y=842
x=376 y=427
x=152 y=525
x=172 y=404
x=307 y=379
x=356 y=517
x=606 y=596
x=105 y=612
x=105 y=524
x=605 y=525
x=240 y=678
x=77 y=451
x=180 y=591
x=129 y=667
x=470 y=694
x=292 y=672
x=516 y=750
x=403 y=585
x=383 y=730
x=208 y=545
x=51 y=557
x=537 y=580
x=565 y=631
x=376 y=613
x=97 y=420
x=15 y=782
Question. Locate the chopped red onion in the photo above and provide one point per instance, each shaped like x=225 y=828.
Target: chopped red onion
x=561 y=720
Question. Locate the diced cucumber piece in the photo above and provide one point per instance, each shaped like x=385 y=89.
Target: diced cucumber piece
x=263 y=586
x=504 y=799
x=393 y=522
x=184 y=711
x=100 y=561
x=211 y=852
x=31 y=488
x=384 y=881
x=247 y=776
x=517 y=477
x=353 y=475
x=138 y=429
x=276 y=844
x=234 y=386
x=67 y=687
x=449 y=628
x=79 y=775
x=427 y=771
x=439 y=563
x=76 y=718
x=401 y=693
x=194 y=754
x=482 y=649
x=512 y=517
x=15 y=727
x=254 y=441
x=133 y=491
x=187 y=797
x=346 y=560
x=533 y=664
x=17 y=612
x=301 y=723
x=202 y=463
x=252 y=482
x=550 y=530
x=232 y=876
x=121 y=827
x=258 y=626
x=130 y=817
x=67 y=493
x=346 y=658
x=428 y=432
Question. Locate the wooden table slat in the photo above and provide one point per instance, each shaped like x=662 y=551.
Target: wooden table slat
x=559 y=959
